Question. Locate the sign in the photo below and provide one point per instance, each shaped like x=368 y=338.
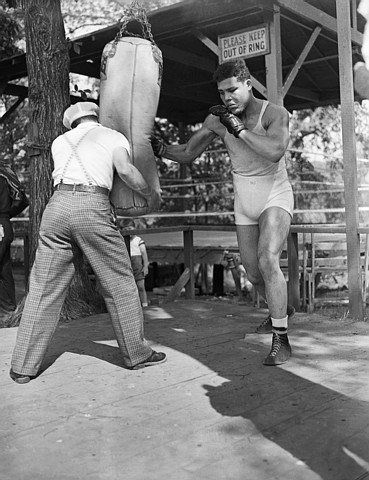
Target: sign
x=244 y=43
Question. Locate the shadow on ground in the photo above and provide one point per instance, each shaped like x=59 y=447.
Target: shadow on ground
x=315 y=407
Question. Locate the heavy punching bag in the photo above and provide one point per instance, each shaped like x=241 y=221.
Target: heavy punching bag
x=361 y=69
x=130 y=78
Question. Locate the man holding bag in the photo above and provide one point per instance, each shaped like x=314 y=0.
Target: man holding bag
x=79 y=218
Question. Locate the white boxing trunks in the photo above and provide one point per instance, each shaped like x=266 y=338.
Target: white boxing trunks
x=253 y=195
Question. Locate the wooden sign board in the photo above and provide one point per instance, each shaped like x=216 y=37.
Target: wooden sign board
x=247 y=43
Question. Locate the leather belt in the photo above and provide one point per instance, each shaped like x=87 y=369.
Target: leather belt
x=73 y=187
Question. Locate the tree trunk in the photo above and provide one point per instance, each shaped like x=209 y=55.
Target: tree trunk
x=48 y=91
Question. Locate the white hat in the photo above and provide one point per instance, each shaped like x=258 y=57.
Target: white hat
x=79 y=110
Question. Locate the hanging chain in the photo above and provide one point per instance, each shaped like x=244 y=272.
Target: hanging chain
x=135 y=12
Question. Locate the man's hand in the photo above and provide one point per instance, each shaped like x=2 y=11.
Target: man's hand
x=153 y=198
x=232 y=123
x=2 y=234
x=159 y=147
x=154 y=201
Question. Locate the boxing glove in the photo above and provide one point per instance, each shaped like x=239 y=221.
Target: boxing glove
x=159 y=147
x=232 y=123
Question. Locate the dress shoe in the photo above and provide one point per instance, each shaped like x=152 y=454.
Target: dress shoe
x=154 y=359
x=19 y=378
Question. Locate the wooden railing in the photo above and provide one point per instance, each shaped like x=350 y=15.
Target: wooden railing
x=187 y=279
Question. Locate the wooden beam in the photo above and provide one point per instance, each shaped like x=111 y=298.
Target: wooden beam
x=307 y=11
x=213 y=47
x=85 y=69
x=3 y=84
x=171 y=91
x=273 y=60
x=11 y=109
x=300 y=61
x=349 y=159
x=189 y=59
x=353 y=4
x=259 y=87
x=177 y=288
x=327 y=36
x=304 y=94
x=321 y=59
x=15 y=90
x=293 y=270
x=189 y=262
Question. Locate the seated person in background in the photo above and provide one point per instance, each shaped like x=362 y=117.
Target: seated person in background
x=12 y=202
x=139 y=259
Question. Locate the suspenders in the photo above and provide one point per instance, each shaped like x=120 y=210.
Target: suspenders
x=74 y=148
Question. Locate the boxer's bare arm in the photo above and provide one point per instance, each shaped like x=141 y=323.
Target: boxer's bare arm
x=187 y=152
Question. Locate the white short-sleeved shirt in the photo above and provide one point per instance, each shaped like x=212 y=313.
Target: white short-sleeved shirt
x=95 y=145
x=135 y=243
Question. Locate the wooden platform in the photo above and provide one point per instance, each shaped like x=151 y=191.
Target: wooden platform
x=213 y=411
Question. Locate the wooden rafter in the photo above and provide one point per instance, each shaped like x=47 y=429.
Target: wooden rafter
x=311 y=13
x=11 y=109
x=305 y=52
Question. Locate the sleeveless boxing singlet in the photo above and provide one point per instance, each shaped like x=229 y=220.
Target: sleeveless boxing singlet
x=258 y=183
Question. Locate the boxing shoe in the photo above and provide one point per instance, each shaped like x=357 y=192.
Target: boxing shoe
x=266 y=325
x=281 y=350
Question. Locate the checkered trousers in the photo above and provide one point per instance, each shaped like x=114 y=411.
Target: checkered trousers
x=84 y=220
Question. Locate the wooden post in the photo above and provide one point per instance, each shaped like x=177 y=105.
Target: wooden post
x=189 y=262
x=127 y=241
x=349 y=158
x=218 y=280
x=183 y=168
x=273 y=61
x=274 y=82
x=293 y=270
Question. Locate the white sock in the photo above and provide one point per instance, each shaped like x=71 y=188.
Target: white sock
x=280 y=324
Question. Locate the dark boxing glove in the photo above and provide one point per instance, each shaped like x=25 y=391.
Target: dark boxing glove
x=232 y=123
x=159 y=147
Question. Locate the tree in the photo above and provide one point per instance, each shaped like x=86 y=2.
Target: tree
x=315 y=160
x=9 y=31
x=48 y=93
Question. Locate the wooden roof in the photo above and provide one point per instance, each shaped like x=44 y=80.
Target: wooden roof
x=187 y=33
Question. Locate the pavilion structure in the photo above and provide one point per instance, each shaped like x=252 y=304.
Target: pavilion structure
x=300 y=53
